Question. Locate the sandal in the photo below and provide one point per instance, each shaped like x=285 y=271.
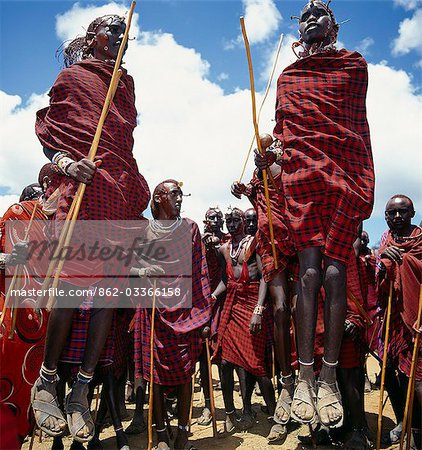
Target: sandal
x=329 y=397
x=45 y=410
x=278 y=434
x=304 y=393
x=205 y=418
x=84 y=419
x=284 y=405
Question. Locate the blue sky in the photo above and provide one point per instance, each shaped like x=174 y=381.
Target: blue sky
x=192 y=47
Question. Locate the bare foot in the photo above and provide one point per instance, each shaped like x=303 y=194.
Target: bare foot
x=48 y=415
x=80 y=422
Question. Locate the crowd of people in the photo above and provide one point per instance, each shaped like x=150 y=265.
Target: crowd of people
x=291 y=288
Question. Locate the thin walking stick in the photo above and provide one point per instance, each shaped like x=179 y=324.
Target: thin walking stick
x=407 y=418
x=71 y=218
x=273 y=368
x=360 y=308
x=212 y=402
x=384 y=365
x=262 y=104
x=258 y=141
x=191 y=401
x=151 y=371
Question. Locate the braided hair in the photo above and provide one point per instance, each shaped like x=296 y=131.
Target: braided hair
x=79 y=49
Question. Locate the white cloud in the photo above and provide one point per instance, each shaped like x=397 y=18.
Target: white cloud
x=408 y=4
x=262 y=19
x=190 y=130
x=410 y=35
x=223 y=76
x=6 y=201
x=364 y=45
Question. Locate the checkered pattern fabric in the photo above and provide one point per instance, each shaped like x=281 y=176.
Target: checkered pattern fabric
x=177 y=339
x=406 y=279
x=235 y=342
x=118 y=191
x=328 y=176
x=283 y=245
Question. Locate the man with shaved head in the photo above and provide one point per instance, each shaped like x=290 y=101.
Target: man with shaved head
x=401 y=264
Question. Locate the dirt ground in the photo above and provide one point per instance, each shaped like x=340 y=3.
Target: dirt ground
x=253 y=439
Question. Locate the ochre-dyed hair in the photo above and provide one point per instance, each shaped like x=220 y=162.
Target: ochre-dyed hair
x=159 y=189
x=78 y=49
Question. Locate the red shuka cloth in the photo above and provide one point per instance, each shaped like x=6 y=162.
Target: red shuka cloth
x=235 y=342
x=406 y=279
x=328 y=176
x=68 y=124
x=177 y=332
x=283 y=245
x=118 y=191
x=21 y=357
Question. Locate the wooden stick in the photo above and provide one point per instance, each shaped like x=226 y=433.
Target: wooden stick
x=18 y=270
x=212 y=402
x=258 y=141
x=273 y=368
x=384 y=365
x=191 y=401
x=407 y=418
x=77 y=201
x=362 y=311
x=151 y=371
x=262 y=104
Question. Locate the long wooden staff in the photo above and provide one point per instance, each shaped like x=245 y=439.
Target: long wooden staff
x=262 y=104
x=212 y=402
x=18 y=271
x=384 y=365
x=362 y=311
x=407 y=418
x=71 y=218
x=151 y=371
x=258 y=141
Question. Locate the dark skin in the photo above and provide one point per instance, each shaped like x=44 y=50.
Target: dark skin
x=169 y=203
x=60 y=320
x=399 y=213
x=279 y=292
x=316 y=270
x=251 y=221
x=235 y=225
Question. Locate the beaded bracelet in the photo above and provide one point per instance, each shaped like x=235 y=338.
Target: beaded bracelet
x=259 y=310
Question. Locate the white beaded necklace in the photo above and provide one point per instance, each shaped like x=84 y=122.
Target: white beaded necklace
x=236 y=254
x=158 y=227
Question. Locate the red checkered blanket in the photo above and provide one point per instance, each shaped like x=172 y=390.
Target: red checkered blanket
x=328 y=176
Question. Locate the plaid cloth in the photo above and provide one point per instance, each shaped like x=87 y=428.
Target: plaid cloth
x=235 y=342
x=328 y=176
x=77 y=97
x=283 y=245
x=21 y=357
x=177 y=338
x=406 y=279
x=118 y=191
